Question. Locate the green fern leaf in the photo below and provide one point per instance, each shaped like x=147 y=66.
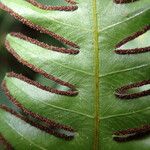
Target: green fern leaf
x=87 y=113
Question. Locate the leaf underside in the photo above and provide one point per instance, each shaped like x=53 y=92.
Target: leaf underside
x=90 y=76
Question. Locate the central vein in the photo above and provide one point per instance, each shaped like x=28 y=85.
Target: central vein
x=96 y=75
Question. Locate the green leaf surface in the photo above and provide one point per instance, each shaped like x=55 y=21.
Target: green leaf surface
x=96 y=72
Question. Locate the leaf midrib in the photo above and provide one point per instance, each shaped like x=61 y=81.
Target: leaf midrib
x=96 y=75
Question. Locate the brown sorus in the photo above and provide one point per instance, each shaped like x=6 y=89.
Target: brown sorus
x=59 y=8
x=122 y=92
x=130 y=38
x=131 y=133
x=43 y=45
x=124 y=1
